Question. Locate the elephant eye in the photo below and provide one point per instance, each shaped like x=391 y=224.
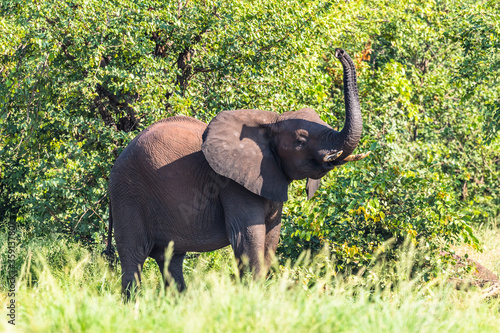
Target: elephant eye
x=301 y=141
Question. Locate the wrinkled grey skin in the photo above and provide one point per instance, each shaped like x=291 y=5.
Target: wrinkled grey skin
x=205 y=187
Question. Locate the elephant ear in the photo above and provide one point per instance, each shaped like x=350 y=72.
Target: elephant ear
x=312 y=185
x=238 y=145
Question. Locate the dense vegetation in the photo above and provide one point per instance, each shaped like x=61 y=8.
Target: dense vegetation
x=80 y=79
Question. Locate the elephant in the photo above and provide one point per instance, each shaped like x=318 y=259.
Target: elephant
x=204 y=187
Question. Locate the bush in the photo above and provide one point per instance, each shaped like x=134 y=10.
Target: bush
x=430 y=177
x=79 y=80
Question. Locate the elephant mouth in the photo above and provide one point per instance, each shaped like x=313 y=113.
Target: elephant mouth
x=332 y=156
x=332 y=160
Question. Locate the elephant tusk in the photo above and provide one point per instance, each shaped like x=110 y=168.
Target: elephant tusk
x=352 y=158
x=332 y=157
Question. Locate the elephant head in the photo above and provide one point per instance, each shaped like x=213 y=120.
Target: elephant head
x=264 y=151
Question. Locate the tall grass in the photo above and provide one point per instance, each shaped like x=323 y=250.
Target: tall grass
x=78 y=293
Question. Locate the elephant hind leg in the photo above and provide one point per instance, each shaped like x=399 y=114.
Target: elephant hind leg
x=175 y=271
x=174 y=268
x=131 y=273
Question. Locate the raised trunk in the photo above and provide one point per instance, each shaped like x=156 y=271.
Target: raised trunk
x=351 y=133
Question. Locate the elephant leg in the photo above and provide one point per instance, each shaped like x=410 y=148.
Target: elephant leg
x=248 y=242
x=133 y=251
x=273 y=230
x=175 y=271
x=245 y=215
x=132 y=244
x=131 y=264
x=174 y=268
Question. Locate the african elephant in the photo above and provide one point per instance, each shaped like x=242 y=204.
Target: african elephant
x=204 y=187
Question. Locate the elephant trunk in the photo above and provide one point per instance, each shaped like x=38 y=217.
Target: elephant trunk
x=350 y=135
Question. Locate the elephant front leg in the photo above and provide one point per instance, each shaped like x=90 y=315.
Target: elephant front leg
x=248 y=242
x=245 y=215
x=273 y=230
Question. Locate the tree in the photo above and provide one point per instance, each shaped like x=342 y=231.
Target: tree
x=80 y=79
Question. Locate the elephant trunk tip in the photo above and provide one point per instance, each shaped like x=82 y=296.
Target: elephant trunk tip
x=339 y=53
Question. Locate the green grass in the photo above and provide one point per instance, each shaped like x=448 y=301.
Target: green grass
x=64 y=288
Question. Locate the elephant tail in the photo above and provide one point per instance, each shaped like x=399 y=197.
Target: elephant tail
x=109 y=253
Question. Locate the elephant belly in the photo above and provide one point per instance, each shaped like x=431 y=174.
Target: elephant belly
x=191 y=213
x=195 y=225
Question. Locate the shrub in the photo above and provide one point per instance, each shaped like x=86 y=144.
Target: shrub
x=79 y=80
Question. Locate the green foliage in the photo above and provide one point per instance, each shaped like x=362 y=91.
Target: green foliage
x=479 y=36
x=434 y=170
x=79 y=80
